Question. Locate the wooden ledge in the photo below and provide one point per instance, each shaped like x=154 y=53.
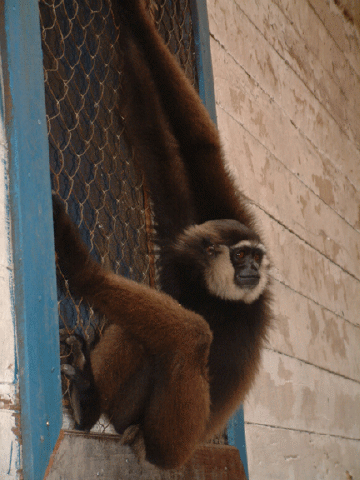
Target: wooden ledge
x=80 y=456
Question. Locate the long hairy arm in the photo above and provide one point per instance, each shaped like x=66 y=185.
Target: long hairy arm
x=214 y=194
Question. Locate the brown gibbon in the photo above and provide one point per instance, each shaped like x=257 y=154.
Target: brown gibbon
x=173 y=365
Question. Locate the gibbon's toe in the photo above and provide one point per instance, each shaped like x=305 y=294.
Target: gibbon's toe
x=133 y=437
x=69 y=371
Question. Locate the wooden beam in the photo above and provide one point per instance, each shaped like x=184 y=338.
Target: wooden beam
x=85 y=456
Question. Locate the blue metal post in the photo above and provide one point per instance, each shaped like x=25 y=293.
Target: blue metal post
x=236 y=436
x=203 y=55
x=35 y=298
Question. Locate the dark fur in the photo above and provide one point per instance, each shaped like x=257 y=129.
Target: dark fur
x=152 y=367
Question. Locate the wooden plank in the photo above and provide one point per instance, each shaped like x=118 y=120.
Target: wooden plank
x=311 y=274
x=212 y=462
x=305 y=330
x=296 y=49
x=248 y=47
x=338 y=51
x=317 y=28
x=279 y=454
x=346 y=36
x=291 y=394
x=92 y=456
x=260 y=174
x=241 y=98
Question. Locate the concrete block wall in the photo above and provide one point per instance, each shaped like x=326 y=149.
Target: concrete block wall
x=287 y=88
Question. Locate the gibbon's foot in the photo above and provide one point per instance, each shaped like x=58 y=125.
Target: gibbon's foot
x=133 y=437
x=76 y=377
x=83 y=395
x=80 y=391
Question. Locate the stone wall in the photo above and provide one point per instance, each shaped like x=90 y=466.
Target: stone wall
x=287 y=88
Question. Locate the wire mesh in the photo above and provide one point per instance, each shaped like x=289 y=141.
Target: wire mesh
x=92 y=167
x=91 y=164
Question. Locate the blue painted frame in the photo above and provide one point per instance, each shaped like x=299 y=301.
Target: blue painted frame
x=236 y=426
x=236 y=436
x=203 y=56
x=35 y=296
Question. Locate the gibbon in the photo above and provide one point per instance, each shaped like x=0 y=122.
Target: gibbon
x=173 y=365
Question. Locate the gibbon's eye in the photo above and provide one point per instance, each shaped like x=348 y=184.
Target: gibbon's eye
x=258 y=257
x=240 y=255
x=210 y=249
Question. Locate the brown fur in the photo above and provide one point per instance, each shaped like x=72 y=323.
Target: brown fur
x=155 y=364
x=171 y=373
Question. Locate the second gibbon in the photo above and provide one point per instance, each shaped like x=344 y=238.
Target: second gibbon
x=173 y=365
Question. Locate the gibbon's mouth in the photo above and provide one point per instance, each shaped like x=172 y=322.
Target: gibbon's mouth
x=249 y=282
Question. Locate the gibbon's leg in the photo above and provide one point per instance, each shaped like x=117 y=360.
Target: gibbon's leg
x=168 y=395
x=214 y=194
x=175 y=345
x=122 y=375
x=176 y=418
x=155 y=319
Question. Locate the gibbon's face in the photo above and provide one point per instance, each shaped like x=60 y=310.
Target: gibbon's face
x=233 y=260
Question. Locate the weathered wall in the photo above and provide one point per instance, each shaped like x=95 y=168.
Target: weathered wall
x=9 y=445
x=287 y=87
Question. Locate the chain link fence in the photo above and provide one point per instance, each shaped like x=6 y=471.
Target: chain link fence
x=92 y=165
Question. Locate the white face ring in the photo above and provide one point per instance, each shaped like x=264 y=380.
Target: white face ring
x=220 y=275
